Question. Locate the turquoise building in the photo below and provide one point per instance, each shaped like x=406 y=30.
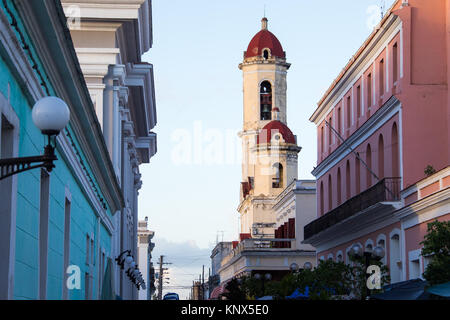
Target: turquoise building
x=51 y=221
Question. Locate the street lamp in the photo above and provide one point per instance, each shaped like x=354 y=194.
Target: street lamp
x=294 y=267
x=267 y=277
x=50 y=115
x=356 y=251
x=308 y=265
x=124 y=260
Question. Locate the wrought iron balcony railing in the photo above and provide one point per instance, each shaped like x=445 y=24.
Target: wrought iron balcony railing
x=386 y=190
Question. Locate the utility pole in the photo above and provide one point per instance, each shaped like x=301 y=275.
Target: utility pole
x=203 y=282
x=161 y=276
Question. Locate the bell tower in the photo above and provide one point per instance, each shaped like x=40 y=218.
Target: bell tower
x=269 y=147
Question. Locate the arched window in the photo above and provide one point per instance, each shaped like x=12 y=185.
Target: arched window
x=381 y=242
x=395 y=258
x=266 y=54
x=322 y=142
x=347 y=180
x=339 y=196
x=369 y=165
x=277 y=180
x=395 y=152
x=266 y=100
x=322 y=210
x=330 y=195
x=381 y=157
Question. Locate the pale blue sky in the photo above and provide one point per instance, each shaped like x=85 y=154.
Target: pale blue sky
x=197 y=47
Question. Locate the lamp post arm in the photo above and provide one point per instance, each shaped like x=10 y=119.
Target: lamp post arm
x=12 y=166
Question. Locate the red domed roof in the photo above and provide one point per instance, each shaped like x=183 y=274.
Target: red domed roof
x=264 y=39
x=273 y=127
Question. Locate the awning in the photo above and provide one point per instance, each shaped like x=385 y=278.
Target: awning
x=108 y=283
x=405 y=290
x=215 y=294
x=442 y=290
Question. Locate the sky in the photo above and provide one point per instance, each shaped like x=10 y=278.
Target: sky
x=190 y=190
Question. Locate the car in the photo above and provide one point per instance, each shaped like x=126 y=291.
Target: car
x=171 y=296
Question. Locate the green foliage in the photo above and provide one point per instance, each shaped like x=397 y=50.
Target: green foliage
x=234 y=290
x=437 y=245
x=329 y=280
x=429 y=170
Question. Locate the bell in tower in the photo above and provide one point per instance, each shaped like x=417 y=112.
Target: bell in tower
x=266 y=101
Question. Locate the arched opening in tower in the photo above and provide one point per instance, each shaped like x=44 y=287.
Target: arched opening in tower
x=266 y=100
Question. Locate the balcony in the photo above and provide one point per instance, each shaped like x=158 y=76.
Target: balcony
x=386 y=190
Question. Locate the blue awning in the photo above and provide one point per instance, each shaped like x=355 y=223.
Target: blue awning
x=442 y=290
x=405 y=290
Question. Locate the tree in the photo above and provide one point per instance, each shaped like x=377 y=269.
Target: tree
x=436 y=244
x=234 y=290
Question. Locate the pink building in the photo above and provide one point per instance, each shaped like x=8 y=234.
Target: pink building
x=383 y=121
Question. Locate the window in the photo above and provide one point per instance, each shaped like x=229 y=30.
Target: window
x=381 y=75
x=395 y=152
x=88 y=247
x=322 y=137
x=330 y=195
x=339 y=124
x=395 y=259
x=382 y=243
x=369 y=166
x=358 y=102
x=266 y=101
x=369 y=92
x=92 y=252
x=357 y=177
x=380 y=157
x=66 y=246
x=414 y=269
x=322 y=209
x=349 y=115
x=277 y=180
x=266 y=54
x=43 y=233
x=330 y=122
x=347 y=181
x=339 y=186
x=395 y=63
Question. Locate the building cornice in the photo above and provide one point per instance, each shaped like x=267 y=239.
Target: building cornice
x=141 y=75
x=382 y=34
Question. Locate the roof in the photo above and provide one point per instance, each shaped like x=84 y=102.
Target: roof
x=262 y=40
x=274 y=127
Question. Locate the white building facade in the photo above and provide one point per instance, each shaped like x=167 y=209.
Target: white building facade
x=110 y=38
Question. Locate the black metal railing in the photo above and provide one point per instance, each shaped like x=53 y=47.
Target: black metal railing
x=387 y=189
